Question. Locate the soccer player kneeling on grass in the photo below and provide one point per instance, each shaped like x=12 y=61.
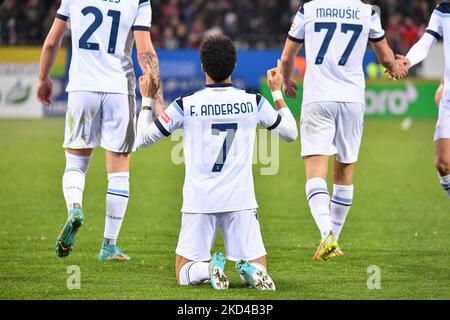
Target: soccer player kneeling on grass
x=219 y=127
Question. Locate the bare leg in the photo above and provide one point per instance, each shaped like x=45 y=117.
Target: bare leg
x=117 y=162
x=316 y=167
x=343 y=173
x=443 y=157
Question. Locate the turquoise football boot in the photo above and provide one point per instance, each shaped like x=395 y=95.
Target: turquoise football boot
x=111 y=252
x=219 y=280
x=66 y=238
x=253 y=277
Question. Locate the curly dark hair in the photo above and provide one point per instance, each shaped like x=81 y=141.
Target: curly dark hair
x=218 y=56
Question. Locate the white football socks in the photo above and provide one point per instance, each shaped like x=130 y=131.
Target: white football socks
x=341 y=202
x=319 y=202
x=74 y=178
x=445 y=183
x=116 y=204
x=194 y=273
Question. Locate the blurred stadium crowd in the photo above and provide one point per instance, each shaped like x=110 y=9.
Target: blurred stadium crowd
x=183 y=23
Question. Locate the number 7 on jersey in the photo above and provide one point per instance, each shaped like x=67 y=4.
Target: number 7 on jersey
x=230 y=129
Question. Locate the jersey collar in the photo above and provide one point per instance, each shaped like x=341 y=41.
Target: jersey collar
x=219 y=85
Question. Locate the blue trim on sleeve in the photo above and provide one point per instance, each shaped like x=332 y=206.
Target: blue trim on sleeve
x=434 y=34
x=378 y=39
x=62 y=17
x=276 y=124
x=140 y=28
x=161 y=128
x=261 y=103
x=178 y=108
x=441 y=14
x=258 y=98
x=295 y=39
x=144 y=4
x=180 y=103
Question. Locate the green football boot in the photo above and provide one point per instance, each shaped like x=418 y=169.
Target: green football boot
x=111 y=252
x=326 y=249
x=219 y=280
x=66 y=238
x=253 y=277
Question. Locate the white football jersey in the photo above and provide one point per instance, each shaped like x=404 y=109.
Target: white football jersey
x=439 y=27
x=102 y=42
x=335 y=34
x=219 y=128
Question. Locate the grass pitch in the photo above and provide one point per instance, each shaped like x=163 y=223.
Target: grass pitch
x=400 y=222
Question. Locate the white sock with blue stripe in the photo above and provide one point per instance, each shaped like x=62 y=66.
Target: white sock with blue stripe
x=116 y=204
x=193 y=273
x=319 y=202
x=445 y=183
x=341 y=202
x=74 y=178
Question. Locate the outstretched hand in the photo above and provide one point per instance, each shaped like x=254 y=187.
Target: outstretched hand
x=274 y=78
x=400 y=68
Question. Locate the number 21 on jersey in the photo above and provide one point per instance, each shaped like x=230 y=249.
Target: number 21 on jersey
x=98 y=20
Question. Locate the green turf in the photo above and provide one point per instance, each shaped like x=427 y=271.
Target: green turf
x=400 y=222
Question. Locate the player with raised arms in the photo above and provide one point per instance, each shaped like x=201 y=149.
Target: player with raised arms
x=438 y=28
x=219 y=127
x=335 y=35
x=101 y=106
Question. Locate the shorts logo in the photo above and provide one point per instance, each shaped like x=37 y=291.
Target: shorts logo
x=166 y=118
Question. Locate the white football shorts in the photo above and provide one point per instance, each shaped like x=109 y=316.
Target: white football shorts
x=240 y=229
x=332 y=128
x=443 y=123
x=105 y=119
